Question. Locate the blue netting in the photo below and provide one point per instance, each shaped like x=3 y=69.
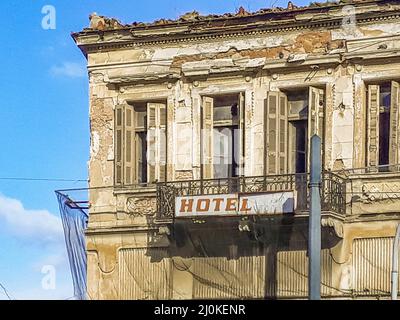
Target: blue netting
x=75 y=221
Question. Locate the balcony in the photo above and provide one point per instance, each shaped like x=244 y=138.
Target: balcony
x=373 y=193
x=333 y=192
x=351 y=195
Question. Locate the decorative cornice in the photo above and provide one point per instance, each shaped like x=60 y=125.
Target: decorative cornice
x=221 y=33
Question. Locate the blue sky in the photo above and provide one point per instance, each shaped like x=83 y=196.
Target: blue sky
x=45 y=127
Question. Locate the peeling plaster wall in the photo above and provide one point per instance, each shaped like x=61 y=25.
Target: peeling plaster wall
x=343 y=122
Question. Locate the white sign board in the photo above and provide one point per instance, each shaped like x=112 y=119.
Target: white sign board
x=235 y=204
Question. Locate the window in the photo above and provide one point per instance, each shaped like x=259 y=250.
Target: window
x=222 y=136
x=140 y=140
x=298 y=130
x=382 y=125
x=298 y=146
x=291 y=119
x=384 y=121
x=140 y=143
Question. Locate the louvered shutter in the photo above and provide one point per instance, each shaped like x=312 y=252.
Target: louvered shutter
x=315 y=117
x=162 y=156
x=283 y=134
x=151 y=142
x=315 y=112
x=207 y=137
x=394 y=124
x=156 y=142
x=241 y=133
x=118 y=147
x=373 y=126
x=275 y=124
x=129 y=145
x=271 y=131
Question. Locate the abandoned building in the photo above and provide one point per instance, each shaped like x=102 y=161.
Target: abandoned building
x=195 y=120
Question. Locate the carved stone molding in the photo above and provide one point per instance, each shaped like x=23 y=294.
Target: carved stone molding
x=184 y=175
x=141 y=206
x=335 y=224
x=132 y=41
x=380 y=191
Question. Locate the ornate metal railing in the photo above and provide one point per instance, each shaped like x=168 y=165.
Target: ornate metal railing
x=333 y=193
x=333 y=190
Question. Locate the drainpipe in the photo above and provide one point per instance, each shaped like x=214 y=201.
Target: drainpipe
x=395 y=263
x=314 y=222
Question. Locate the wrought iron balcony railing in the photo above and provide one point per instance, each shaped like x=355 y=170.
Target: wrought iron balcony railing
x=333 y=190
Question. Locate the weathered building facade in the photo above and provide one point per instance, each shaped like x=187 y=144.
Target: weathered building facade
x=216 y=105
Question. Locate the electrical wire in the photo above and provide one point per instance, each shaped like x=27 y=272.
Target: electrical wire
x=6 y=292
x=42 y=179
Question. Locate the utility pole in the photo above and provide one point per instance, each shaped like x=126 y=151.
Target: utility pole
x=314 y=224
x=395 y=264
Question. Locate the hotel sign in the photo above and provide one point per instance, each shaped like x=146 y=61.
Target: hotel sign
x=235 y=204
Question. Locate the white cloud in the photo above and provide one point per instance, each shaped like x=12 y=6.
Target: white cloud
x=30 y=225
x=69 y=69
x=57 y=259
x=44 y=233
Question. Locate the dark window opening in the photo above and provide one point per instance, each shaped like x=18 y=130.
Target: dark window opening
x=299 y=138
x=298 y=130
x=141 y=145
x=141 y=142
x=384 y=126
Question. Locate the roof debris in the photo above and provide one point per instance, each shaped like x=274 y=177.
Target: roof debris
x=101 y=23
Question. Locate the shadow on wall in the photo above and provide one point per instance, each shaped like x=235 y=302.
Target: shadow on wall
x=269 y=260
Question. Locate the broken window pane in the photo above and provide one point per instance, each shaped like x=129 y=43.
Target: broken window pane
x=298 y=103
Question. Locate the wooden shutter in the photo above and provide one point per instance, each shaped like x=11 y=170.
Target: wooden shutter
x=207 y=137
x=118 y=146
x=373 y=126
x=315 y=112
x=162 y=142
x=394 y=124
x=283 y=135
x=241 y=105
x=151 y=142
x=315 y=117
x=275 y=124
x=156 y=142
x=129 y=145
x=124 y=145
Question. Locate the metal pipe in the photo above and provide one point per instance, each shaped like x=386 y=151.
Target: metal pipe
x=314 y=225
x=395 y=263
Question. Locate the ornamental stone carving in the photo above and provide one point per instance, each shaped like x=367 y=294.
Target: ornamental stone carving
x=184 y=175
x=380 y=191
x=141 y=206
x=335 y=224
